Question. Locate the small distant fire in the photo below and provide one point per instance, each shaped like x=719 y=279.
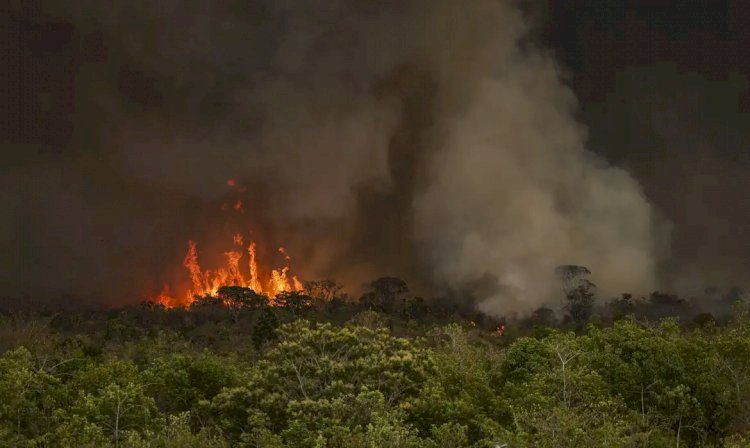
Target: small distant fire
x=236 y=272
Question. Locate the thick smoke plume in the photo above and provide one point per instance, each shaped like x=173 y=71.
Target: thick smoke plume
x=429 y=139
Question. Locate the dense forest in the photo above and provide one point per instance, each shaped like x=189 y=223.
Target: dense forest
x=317 y=368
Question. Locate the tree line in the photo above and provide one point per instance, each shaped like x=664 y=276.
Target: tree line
x=385 y=370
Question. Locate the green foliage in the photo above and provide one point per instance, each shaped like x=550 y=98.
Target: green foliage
x=264 y=329
x=308 y=380
x=179 y=382
x=558 y=400
x=369 y=319
x=462 y=390
x=676 y=382
x=76 y=430
x=117 y=409
x=27 y=398
x=151 y=377
x=176 y=433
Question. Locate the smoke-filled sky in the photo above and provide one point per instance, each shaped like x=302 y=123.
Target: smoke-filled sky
x=450 y=143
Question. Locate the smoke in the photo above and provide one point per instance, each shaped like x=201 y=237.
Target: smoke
x=425 y=139
x=512 y=191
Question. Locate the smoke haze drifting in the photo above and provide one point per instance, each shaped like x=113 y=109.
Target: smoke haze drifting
x=431 y=140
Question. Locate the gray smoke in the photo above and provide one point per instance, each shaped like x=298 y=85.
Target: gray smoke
x=425 y=138
x=513 y=192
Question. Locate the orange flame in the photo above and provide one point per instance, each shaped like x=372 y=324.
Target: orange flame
x=208 y=282
x=254 y=282
x=296 y=284
x=165 y=298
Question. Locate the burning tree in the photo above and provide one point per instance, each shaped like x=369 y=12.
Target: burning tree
x=237 y=297
x=297 y=301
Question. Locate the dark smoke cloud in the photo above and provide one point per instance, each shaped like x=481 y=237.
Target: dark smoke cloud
x=425 y=139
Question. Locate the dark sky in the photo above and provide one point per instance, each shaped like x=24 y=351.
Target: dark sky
x=664 y=90
x=662 y=85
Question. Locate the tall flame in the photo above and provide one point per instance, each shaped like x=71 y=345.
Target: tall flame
x=207 y=282
x=254 y=281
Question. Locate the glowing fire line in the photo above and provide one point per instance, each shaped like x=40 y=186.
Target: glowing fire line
x=207 y=282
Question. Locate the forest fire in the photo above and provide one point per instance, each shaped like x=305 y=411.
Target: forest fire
x=240 y=269
x=207 y=282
